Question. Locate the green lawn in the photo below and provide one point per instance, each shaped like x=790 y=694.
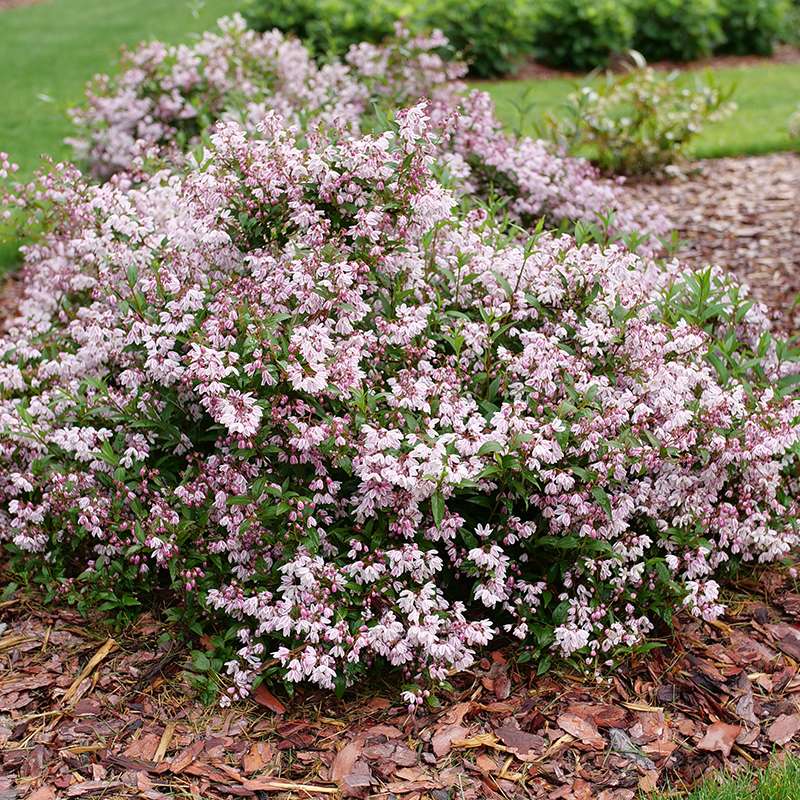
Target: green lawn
x=766 y=96
x=49 y=50
x=775 y=783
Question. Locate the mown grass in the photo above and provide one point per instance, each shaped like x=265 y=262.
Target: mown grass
x=766 y=96
x=49 y=50
x=776 y=782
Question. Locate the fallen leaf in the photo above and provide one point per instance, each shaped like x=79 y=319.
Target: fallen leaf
x=649 y=781
x=485 y=763
x=91 y=787
x=256 y=758
x=621 y=743
x=745 y=708
x=15 y=701
x=497 y=708
x=264 y=697
x=784 y=728
x=787 y=638
x=616 y=794
x=43 y=793
x=456 y=714
x=604 y=715
x=791 y=604
x=519 y=741
x=584 y=730
x=745 y=650
x=663 y=748
x=720 y=737
x=144 y=747
x=748 y=737
x=183 y=759
x=443 y=738
x=349 y=772
x=415 y=786
x=358 y=779
x=389 y=731
x=581 y=790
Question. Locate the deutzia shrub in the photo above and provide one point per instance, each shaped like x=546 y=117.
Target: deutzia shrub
x=300 y=388
x=639 y=121
x=165 y=99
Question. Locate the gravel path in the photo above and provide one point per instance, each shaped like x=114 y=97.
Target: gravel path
x=743 y=214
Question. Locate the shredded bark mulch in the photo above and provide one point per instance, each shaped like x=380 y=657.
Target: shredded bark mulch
x=742 y=214
x=12 y=292
x=83 y=714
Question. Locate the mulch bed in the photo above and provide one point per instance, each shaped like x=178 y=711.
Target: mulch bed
x=85 y=715
x=742 y=214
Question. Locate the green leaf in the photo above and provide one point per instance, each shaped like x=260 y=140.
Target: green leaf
x=437 y=508
x=490 y=447
x=599 y=494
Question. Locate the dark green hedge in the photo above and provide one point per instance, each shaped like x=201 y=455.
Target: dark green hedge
x=495 y=35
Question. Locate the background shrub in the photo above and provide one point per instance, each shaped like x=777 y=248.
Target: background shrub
x=581 y=34
x=640 y=121
x=491 y=35
x=794 y=124
x=326 y=26
x=676 y=30
x=751 y=26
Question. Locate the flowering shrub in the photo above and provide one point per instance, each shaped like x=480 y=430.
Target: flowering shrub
x=165 y=98
x=640 y=121
x=296 y=386
x=794 y=125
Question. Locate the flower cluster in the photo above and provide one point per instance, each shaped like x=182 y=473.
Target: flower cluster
x=298 y=386
x=166 y=99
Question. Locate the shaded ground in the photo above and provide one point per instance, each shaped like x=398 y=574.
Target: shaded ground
x=83 y=715
x=742 y=214
x=783 y=54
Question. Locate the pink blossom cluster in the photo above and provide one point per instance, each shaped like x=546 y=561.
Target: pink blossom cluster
x=166 y=98
x=300 y=387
